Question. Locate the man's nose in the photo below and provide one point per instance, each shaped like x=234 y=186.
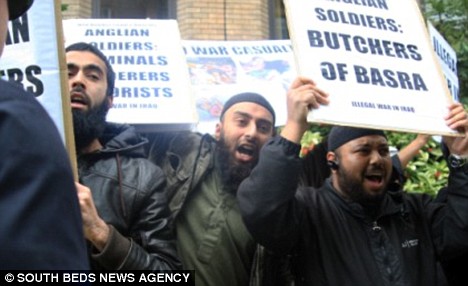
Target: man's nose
x=376 y=158
x=252 y=131
x=77 y=80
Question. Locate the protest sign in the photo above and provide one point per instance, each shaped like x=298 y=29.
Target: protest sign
x=375 y=59
x=221 y=69
x=447 y=58
x=33 y=59
x=152 y=89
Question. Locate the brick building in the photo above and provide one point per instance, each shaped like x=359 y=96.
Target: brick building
x=197 y=19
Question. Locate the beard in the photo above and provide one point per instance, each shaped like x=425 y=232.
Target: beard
x=232 y=172
x=353 y=188
x=89 y=125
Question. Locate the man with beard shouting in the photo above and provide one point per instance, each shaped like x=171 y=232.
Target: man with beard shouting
x=126 y=219
x=203 y=174
x=352 y=230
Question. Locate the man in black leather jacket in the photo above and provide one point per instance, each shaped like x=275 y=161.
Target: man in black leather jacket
x=126 y=218
x=353 y=231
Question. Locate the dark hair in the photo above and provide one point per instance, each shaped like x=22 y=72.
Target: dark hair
x=85 y=47
x=17 y=8
x=340 y=135
x=248 y=97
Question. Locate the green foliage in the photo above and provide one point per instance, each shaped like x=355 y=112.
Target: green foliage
x=311 y=137
x=450 y=18
x=64 y=7
x=314 y=135
x=428 y=171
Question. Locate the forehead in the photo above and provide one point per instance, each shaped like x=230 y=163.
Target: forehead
x=376 y=140
x=84 y=59
x=255 y=110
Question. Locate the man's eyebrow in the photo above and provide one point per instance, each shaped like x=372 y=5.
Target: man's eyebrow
x=71 y=66
x=244 y=114
x=265 y=121
x=368 y=144
x=247 y=115
x=90 y=67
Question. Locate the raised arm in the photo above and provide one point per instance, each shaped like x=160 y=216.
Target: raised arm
x=407 y=153
x=454 y=235
x=267 y=197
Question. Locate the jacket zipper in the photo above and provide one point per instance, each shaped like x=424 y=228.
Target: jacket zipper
x=376 y=227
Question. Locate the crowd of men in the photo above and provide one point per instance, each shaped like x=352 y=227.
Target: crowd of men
x=238 y=207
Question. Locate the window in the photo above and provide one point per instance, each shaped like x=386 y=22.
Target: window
x=134 y=9
x=278 y=24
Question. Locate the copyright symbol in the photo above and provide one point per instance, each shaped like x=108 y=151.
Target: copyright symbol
x=9 y=277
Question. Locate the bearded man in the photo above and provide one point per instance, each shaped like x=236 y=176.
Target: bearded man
x=126 y=219
x=203 y=173
x=353 y=230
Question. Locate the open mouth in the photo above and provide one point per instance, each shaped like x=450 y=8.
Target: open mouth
x=375 y=181
x=245 y=152
x=77 y=100
x=375 y=178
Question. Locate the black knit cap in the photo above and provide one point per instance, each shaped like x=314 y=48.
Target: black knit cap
x=340 y=135
x=16 y=8
x=248 y=97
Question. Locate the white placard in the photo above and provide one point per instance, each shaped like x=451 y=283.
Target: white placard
x=448 y=60
x=221 y=69
x=375 y=60
x=152 y=89
x=31 y=58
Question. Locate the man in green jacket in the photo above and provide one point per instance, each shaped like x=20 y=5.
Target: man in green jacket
x=203 y=174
